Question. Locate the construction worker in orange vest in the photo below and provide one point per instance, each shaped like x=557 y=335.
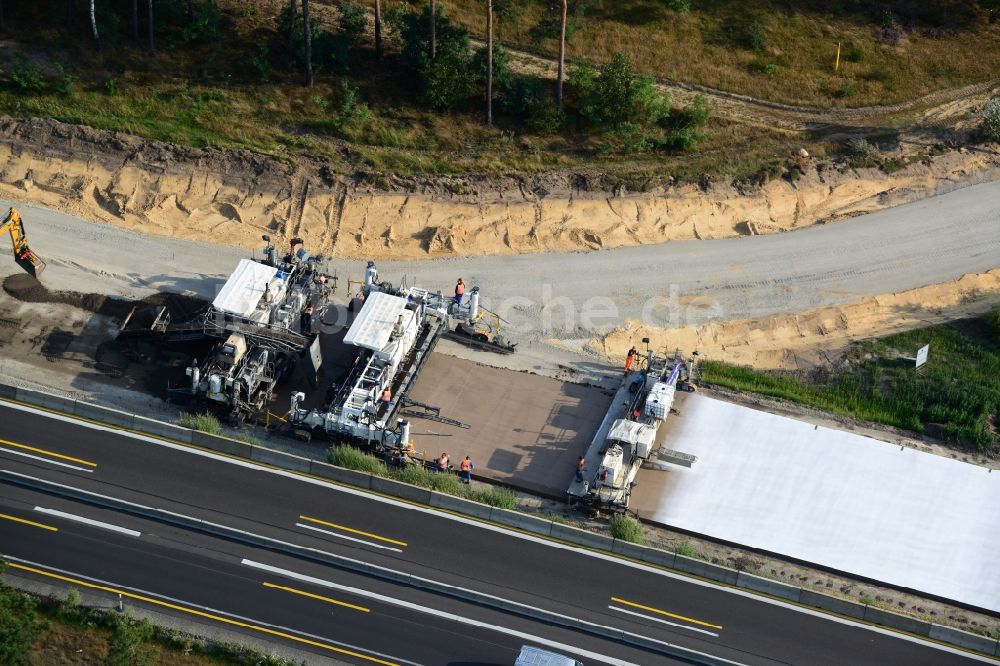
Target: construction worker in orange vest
x=466 y=470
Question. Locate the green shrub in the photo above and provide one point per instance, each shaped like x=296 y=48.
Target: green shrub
x=20 y=626
x=127 y=644
x=685 y=549
x=502 y=76
x=502 y=498
x=854 y=54
x=992 y=321
x=353 y=21
x=204 y=422
x=846 y=90
x=259 y=64
x=25 y=75
x=448 y=81
x=351 y=113
x=446 y=482
x=990 y=126
x=628 y=107
x=65 y=83
x=527 y=99
x=627 y=528
x=204 y=23
x=679 y=6
x=414 y=475
x=754 y=37
x=351 y=458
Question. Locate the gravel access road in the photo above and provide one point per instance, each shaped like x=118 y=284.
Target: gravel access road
x=577 y=294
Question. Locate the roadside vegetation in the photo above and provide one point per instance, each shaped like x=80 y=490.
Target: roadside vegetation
x=236 y=73
x=38 y=631
x=202 y=421
x=446 y=482
x=627 y=528
x=954 y=397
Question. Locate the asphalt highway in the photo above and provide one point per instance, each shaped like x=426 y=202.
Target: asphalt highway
x=301 y=601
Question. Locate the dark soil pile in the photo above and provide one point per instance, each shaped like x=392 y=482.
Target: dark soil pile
x=26 y=288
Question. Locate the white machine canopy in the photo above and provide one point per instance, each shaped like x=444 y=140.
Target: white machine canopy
x=245 y=287
x=374 y=324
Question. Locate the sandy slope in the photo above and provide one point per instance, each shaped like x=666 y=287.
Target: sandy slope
x=232 y=197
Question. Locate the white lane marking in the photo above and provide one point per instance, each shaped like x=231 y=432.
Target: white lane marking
x=503 y=530
x=46 y=460
x=88 y=521
x=342 y=536
x=656 y=619
x=207 y=609
x=604 y=659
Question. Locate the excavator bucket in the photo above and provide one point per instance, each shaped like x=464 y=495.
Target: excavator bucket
x=31 y=263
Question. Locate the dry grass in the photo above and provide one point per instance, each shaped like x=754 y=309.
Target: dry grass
x=198 y=95
x=707 y=47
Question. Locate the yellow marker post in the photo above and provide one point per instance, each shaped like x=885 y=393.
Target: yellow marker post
x=836 y=64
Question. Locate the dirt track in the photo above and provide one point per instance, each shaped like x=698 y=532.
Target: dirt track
x=576 y=301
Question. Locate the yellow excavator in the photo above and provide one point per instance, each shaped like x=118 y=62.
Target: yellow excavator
x=23 y=255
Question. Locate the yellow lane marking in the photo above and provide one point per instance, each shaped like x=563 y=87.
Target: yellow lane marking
x=47 y=453
x=192 y=611
x=29 y=522
x=663 y=612
x=352 y=530
x=316 y=596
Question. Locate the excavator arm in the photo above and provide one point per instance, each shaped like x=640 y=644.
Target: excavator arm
x=23 y=255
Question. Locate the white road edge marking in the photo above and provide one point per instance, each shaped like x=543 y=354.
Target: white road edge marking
x=604 y=659
x=46 y=460
x=504 y=530
x=88 y=521
x=342 y=536
x=207 y=609
x=656 y=619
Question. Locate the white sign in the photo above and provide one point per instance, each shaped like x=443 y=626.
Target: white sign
x=922 y=355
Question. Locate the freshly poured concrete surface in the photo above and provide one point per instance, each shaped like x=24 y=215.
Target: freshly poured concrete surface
x=831 y=497
x=527 y=430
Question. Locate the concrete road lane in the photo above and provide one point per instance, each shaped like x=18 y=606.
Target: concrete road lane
x=448 y=548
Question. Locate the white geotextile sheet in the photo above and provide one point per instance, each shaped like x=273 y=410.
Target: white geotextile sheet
x=243 y=290
x=834 y=498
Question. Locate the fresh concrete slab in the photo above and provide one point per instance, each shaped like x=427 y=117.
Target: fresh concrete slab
x=526 y=430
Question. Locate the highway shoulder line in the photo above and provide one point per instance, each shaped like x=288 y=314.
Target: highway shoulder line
x=347 y=538
x=344 y=528
x=25 y=521
x=310 y=595
x=45 y=452
x=666 y=613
